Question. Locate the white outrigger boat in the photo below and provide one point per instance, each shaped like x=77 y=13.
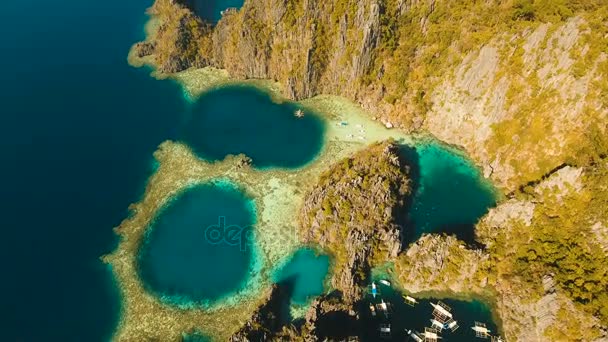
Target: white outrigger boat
x=436 y=324
x=385 y=282
x=411 y=301
x=441 y=312
x=415 y=336
x=481 y=330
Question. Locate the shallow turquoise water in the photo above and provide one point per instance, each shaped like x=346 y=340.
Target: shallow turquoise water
x=196 y=337
x=211 y=10
x=451 y=194
x=305 y=274
x=244 y=119
x=199 y=248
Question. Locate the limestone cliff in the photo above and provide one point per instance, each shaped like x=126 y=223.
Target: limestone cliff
x=352 y=213
x=442 y=263
x=544 y=264
x=520 y=86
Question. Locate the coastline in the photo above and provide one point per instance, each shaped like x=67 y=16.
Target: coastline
x=279 y=193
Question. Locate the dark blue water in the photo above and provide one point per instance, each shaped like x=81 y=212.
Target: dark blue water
x=306 y=272
x=403 y=317
x=77 y=130
x=211 y=10
x=199 y=248
x=450 y=192
x=244 y=119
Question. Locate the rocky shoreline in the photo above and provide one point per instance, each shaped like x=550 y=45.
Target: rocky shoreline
x=518 y=100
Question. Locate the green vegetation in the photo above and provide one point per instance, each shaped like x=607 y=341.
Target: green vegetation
x=182 y=39
x=560 y=242
x=357 y=199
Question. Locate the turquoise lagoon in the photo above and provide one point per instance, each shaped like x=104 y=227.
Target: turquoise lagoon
x=200 y=248
x=304 y=274
x=450 y=193
x=244 y=119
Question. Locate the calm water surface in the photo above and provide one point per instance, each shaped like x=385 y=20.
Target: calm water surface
x=199 y=248
x=451 y=194
x=243 y=119
x=211 y=10
x=305 y=272
x=78 y=127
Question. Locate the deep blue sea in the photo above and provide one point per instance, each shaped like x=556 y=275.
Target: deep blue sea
x=78 y=127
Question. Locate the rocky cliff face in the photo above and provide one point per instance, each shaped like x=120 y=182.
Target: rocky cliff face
x=351 y=212
x=521 y=85
x=521 y=92
x=442 y=263
x=541 y=263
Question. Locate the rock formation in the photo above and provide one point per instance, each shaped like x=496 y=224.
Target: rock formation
x=352 y=213
x=520 y=85
x=481 y=76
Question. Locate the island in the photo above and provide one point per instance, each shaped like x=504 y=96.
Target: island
x=515 y=89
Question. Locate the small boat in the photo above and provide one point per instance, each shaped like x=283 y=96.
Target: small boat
x=441 y=311
x=415 y=336
x=411 y=301
x=299 y=113
x=374 y=290
x=385 y=282
x=452 y=325
x=382 y=305
x=481 y=330
x=431 y=334
x=385 y=330
x=436 y=324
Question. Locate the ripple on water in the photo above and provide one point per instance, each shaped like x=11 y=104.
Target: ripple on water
x=185 y=259
x=243 y=119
